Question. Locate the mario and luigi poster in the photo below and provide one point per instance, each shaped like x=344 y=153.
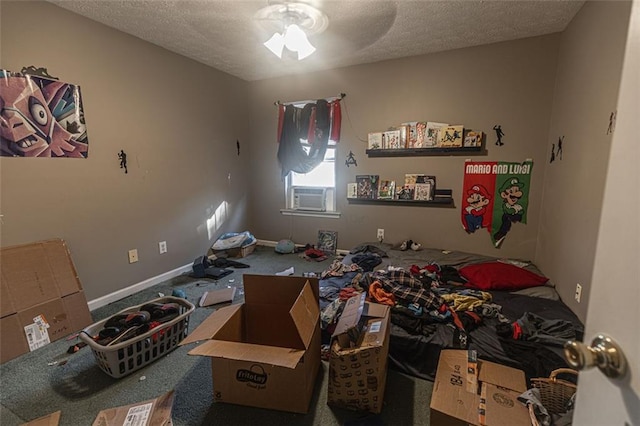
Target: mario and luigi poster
x=495 y=195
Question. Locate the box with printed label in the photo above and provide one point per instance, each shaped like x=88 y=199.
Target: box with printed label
x=42 y=299
x=467 y=391
x=265 y=352
x=358 y=359
x=155 y=412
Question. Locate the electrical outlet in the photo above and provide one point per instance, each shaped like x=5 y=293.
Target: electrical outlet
x=578 y=292
x=133 y=256
x=380 y=234
x=162 y=246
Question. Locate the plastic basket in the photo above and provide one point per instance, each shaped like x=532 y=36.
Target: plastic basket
x=555 y=393
x=127 y=356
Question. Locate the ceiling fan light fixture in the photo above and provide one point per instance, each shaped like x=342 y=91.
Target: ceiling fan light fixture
x=299 y=20
x=275 y=44
x=296 y=41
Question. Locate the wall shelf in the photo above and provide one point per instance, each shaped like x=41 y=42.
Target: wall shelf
x=443 y=198
x=424 y=152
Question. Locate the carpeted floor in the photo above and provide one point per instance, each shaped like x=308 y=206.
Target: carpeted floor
x=37 y=384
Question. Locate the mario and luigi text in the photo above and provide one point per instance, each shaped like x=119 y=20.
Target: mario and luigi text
x=495 y=196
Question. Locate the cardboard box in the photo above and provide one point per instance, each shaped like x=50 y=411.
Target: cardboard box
x=462 y=392
x=234 y=251
x=41 y=295
x=36 y=273
x=358 y=360
x=266 y=351
x=52 y=419
x=37 y=326
x=242 y=251
x=155 y=412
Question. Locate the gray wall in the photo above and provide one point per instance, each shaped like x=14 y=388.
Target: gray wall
x=586 y=92
x=177 y=120
x=508 y=83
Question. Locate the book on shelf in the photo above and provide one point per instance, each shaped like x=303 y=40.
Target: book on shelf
x=386 y=189
x=374 y=140
x=432 y=130
x=408 y=189
x=472 y=139
x=367 y=186
x=425 y=188
x=421 y=135
x=450 y=136
x=412 y=134
x=391 y=139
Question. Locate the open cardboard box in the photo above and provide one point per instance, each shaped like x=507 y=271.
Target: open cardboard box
x=358 y=360
x=41 y=297
x=155 y=412
x=464 y=390
x=265 y=352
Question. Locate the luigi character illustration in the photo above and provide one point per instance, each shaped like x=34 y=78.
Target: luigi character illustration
x=478 y=198
x=512 y=211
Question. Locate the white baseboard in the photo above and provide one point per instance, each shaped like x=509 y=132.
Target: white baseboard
x=268 y=243
x=128 y=291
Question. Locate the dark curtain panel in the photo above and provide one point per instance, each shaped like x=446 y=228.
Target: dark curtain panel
x=313 y=123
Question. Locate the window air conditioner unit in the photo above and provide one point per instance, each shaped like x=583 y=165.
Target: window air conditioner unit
x=309 y=198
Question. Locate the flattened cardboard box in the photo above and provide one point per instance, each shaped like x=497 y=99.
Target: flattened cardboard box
x=358 y=370
x=494 y=397
x=41 y=297
x=155 y=412
x=37 y=326
x=266 y=351
x=36 y=273
x=52 y=419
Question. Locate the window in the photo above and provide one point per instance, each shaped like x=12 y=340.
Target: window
x=314 y=192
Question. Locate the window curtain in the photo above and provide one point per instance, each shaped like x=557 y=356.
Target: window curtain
x=314 y=122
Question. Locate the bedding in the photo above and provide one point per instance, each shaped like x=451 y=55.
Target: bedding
x=520 y=327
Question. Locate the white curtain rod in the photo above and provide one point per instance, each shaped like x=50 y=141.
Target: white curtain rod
x=340 y=96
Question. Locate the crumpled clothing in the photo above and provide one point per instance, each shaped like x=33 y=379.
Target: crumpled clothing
x=377 y=293
x=461 y=302
x=368 y=248
x=407 y=288
x=338 y=269
x=330 y=314
x=492 y=310
x=347 y=293
x=532 y=398
x=367 y=261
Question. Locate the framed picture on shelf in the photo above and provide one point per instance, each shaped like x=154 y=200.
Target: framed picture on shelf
x=386 y=189
x=472 y=139
x=328 y=241
x=374 y=140
x=450 y=137
x=432 y=130
x=367 y=186
x=425 y=188
x=352 y=190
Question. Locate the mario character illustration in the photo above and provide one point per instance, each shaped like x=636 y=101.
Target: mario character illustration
x=512 y=210
x=478 y=198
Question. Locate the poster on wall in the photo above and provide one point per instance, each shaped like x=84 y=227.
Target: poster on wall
x=41 y=117
x=495 y=195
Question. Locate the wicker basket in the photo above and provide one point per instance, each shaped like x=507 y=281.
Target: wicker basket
x=555 y=393
x=130 y=355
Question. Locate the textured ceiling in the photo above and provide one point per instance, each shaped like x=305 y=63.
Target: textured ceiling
x=226 y=35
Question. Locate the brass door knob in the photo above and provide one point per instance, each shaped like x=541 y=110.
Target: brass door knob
x=604 y=353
